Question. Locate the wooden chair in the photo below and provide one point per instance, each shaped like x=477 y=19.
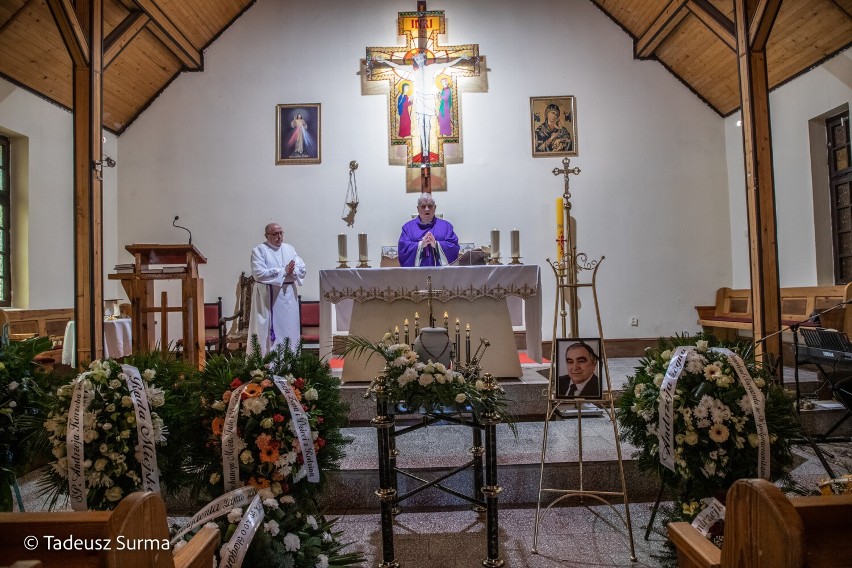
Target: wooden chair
x=765 y=529
x=140 y=518
x=309 y=320
x=238 y=333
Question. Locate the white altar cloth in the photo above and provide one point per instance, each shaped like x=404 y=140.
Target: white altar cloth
x=117 y=340
x=475 y=294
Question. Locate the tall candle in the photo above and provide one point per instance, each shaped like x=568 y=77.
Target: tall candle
x=446 y=318
x=341 y=248
x=467 y=343
x=406 y=332
x=516 y=243
x=362 y=247
x=416 y=324
x=458 y=342
x=495 y=243
x=560 y=228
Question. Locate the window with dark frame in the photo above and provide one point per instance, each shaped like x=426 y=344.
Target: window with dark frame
x=840 y=184
x=5 y=225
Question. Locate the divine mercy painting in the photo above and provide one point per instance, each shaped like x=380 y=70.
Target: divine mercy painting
x=298 y=134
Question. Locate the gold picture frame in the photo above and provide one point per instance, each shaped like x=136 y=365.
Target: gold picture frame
x=298 y=134
x=553 y=126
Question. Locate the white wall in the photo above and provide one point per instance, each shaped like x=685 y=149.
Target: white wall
x=652 y=195
x=792 y=106
x=43 y=192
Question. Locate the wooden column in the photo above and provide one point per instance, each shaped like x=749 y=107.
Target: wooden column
x=752 y=31
x=81 y=27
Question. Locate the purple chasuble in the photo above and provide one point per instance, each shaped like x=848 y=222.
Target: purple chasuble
x=414 y=230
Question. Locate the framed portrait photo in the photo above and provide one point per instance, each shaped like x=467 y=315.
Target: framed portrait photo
x=578 y=369
x=553 y=126
x=298 y=134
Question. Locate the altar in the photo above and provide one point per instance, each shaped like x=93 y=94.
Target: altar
x=371 y=301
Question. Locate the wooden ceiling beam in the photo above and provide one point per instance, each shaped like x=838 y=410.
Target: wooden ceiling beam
x=659 y=30
x=71 y=31
x=762 y=22
x=170 y=35
x=123 y=33
x=759 y=181
x=718 y=22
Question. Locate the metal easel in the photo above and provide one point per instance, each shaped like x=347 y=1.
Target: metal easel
x=566 y=269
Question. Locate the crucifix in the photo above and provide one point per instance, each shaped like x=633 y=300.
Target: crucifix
x=567 y=260
x=423 y=105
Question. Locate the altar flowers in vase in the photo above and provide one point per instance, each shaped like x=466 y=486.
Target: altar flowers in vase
x=428 y=385
x=722 y=419
x=267 y=434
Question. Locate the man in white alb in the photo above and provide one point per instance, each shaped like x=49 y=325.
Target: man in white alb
x=277 y=269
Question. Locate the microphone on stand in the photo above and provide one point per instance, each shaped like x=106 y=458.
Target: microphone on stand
x=174 y=224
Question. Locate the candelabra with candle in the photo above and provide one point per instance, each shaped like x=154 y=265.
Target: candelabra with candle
x=407 y=342
x=495 y=247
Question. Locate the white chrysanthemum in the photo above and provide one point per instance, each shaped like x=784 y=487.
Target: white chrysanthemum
x=312 y=522
x=322 y=561
x=639 y=389
x=407 y=376
x=666 y=355
x=271 y=527
x=292 y=542
x=235 y=514
x=258 y=373
x=149 y=374
x=115 y=383
x=156 y=396
x=658 y=380
x=286 y=500
x=399 y=362
x=695 y=362
x=702 y=345
x=126 y=401
x=691 y=437
x=254 y=405
x=480 y=385
x=270 y=503
x=246 y=457
x=426 y=379
x=310 y=394
x=461 y=397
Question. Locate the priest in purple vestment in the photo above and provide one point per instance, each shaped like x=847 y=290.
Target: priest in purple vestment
x=427 y=240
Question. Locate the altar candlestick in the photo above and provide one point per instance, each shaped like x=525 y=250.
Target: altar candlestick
x=467 y=343
x=446 y=318
x=416 y=324
x=396 y=333
x=458 y=342
x=516 y=243
x=560 y=228
x=362 y=247
x=406 y=332
x=495 y=244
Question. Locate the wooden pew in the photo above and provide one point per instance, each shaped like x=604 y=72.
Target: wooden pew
x=139 y=518
x=765 y=529
x=733 y=311
x=51 y=323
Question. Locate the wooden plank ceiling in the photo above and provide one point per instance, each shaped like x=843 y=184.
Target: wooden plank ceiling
x=149 y=42
x=694 y=40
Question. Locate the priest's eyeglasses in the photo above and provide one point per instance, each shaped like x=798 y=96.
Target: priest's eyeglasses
x=427 y=206
x=276 y=234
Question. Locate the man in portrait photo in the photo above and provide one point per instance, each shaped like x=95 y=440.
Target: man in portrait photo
x=580 y=379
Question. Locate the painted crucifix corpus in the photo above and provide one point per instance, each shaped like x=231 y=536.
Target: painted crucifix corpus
x=422 y=77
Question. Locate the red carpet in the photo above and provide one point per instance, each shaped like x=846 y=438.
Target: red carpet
x=338 y=363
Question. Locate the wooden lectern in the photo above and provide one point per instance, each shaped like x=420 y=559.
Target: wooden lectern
x=139 y=286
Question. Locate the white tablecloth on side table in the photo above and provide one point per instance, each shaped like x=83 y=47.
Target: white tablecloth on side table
x=118 y=341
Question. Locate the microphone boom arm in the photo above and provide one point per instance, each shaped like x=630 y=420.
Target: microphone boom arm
x=174 y=224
